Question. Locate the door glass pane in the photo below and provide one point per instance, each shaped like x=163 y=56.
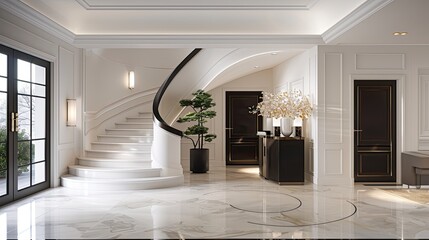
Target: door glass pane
x=24 y=114
x=3 y=169
x=39 y=90
x=38 y=173
x=23 y=153
x=23 y=87
x=3 y=65
x=3 y=182
x=3 y=84
x=38 y=121
x=38 y=151
x=38 y=74
x=23 y=177
x=23 y=70
x=3 y=144
x=3 y=116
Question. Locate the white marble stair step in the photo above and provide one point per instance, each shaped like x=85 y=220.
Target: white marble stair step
x=133 y=125
x=143 y=155
x=113 y=173
x=145 y=114
x=94 y=184
x=121 y=146
x=114 y=162
x=125 y=139
x=130 y=132
x=140 y=119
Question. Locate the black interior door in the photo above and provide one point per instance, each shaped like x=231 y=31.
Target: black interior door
x=24 y=124
x=242 y=144
x=375 y=131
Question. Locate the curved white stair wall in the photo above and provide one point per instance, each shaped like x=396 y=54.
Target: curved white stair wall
x=166 y=152
x=120 y=159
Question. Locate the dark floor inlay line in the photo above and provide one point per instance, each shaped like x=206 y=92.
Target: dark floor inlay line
x=299 y=202
x=308 y=225
x=283 y=211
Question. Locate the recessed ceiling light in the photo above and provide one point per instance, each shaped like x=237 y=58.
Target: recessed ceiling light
x=256 y=67
x=400 y=33
x=274 y=53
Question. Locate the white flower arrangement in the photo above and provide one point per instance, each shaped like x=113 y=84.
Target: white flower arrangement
x=291 y=104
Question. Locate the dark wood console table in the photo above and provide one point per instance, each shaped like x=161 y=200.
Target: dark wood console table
x=282 y=159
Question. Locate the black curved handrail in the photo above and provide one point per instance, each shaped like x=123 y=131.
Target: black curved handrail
x=157 y=100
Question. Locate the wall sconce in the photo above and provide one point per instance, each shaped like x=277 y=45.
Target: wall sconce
x=131 y=80
x=71 y=112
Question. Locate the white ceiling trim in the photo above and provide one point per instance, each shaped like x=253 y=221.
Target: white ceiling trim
x=357 y=16
x=26 y=13
x=197 y=5
x=179 y=41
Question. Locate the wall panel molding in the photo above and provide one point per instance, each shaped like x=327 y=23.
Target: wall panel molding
x=66 y=90
x=333 y=92
x=333 y=162
x=380 y=61
x=297 y=84
x=424 y=106
x=424 y=144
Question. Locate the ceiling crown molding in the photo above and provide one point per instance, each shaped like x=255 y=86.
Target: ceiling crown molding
x=26 y=13
x=197 y=5
x=193 y=40
x=357 y=16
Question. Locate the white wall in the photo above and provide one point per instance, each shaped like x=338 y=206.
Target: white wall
x=259 y=81
x=339 y=66
x=299 y=73
x=65 y=83
x=107 y=98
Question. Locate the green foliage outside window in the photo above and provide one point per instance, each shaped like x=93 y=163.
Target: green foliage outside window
x=23 y=151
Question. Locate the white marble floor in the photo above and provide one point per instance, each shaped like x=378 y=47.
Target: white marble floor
x=235 y=203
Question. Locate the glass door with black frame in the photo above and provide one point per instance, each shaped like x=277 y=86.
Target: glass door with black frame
x=24 y=124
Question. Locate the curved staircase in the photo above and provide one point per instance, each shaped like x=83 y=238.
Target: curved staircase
x=120 y=160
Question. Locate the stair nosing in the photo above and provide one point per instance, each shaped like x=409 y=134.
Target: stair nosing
x=122 y=136
x=125 y=143
x=102 y=169
x=115 y=180
x=117 y=151
x=104 y=159
x=126 y=129
x=133 y=123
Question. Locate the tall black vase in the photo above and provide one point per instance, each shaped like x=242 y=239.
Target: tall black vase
x=199 y=160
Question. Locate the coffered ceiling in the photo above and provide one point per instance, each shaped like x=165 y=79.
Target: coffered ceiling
x=185 y=17
x=205 y=23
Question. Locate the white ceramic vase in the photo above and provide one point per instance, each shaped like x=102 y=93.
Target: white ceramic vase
x=286 y=126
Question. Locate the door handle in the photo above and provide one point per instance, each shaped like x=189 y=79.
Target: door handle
x=229 y=128
x=358 y=130
x=14 y=122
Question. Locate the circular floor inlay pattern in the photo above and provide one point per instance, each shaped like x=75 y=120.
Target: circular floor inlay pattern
x=258 y=201
x=324 y=213
x=276 y=209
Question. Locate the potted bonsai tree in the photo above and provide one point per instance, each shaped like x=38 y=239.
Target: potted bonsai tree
x=198 y=133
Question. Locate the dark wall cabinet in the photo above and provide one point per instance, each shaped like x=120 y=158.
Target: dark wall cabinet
x=282 y=159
